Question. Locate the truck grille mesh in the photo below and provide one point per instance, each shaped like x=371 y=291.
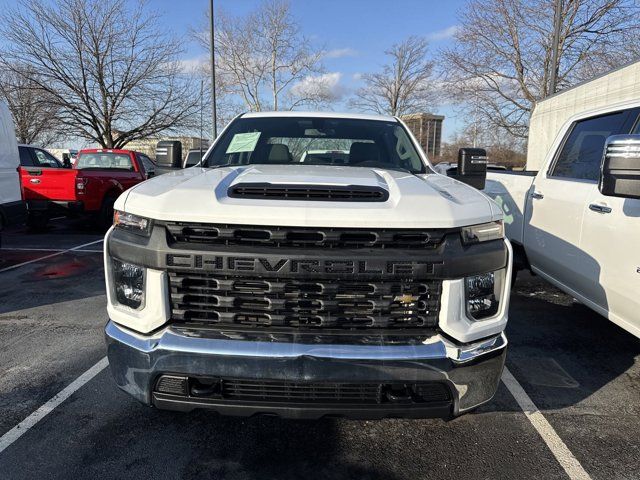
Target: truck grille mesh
x=304 y=304
x=297 y=392
x=188 y=235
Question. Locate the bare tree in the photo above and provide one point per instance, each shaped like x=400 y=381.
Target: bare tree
x=501 y=62
x=108 y=68
x=403 y=86
x=263 y=58
x=35 y=119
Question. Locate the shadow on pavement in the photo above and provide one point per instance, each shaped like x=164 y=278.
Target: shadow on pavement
x=563 y=350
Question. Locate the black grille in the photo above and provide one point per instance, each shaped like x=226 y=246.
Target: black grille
x=304 y=304
x=290 y=392
x=190 y=234
x=333 y=193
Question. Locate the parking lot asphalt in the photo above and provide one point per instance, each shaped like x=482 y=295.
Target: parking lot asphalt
x=581 y=371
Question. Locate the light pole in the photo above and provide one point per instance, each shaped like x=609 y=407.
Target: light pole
x=213 y=74
x=557 y=23
x=201 y=111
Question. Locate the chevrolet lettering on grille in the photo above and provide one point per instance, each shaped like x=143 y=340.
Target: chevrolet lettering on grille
x=293 y=266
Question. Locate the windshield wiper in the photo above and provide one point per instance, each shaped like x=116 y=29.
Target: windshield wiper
x=224 y=165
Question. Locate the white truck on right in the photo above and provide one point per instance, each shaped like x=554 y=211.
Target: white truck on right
x=575 y=220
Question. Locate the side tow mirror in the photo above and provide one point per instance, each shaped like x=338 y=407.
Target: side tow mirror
x=169 y=154
x=472 y=167
x=66 y=161
x=620 y=169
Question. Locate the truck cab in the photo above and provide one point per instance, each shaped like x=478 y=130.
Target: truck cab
x=566 y=229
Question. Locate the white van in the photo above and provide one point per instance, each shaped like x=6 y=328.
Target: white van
x=12 y=208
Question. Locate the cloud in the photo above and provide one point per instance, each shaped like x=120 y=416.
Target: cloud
x=340 y=53
x=195 y=64
x=444 y=34
x=326 y=86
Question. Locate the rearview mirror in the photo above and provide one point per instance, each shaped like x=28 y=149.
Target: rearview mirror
x=472 y=167
x=620 y=169
x=66 y=160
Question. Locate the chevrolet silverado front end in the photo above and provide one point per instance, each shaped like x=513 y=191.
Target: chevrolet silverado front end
x=262 y=283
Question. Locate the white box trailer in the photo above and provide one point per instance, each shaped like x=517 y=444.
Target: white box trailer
x=617 y=87
x=12 y=208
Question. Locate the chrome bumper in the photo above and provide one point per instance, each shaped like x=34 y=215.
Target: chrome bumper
x=472 y=371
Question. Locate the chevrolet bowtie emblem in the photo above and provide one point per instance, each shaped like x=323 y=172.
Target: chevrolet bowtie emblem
x=406 y=299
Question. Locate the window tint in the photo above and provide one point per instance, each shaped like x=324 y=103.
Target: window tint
x=45 y=159
x=147 y=164
x=581 y=153
x=104 y=161
x=25 y=157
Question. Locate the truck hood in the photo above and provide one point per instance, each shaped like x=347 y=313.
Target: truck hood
x=415 y=201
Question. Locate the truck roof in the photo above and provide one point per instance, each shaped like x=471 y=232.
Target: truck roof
x=105 y=150
x=288 y=113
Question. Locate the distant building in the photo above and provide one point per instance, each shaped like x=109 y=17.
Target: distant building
x=428 y=130
x=148 y=145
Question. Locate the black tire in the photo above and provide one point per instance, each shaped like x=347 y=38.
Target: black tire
x=105 y=216
x=37 y=221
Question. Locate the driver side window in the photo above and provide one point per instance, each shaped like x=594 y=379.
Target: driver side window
x=45 y=159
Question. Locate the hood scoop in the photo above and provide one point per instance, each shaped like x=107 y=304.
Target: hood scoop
x=319 y=193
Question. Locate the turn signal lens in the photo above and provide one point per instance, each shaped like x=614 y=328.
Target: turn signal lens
x=483 y=232
x=132 y=223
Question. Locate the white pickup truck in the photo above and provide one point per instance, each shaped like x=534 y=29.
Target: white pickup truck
x=576 y=221
x=254 y=283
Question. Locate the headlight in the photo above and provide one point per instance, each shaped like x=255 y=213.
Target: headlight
x=482 y=294
x=483 y=232
x=128 y=283
x=132 y=223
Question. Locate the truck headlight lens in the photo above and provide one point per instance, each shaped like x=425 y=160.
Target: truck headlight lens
x=482 y=294
x=483 y=232
x=128 y=283
x=132 y=223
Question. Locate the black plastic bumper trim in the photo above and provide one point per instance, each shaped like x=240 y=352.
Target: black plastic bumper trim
x=296 y=411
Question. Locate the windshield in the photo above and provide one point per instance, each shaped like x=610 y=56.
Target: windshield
x=104 y=160
x=316 y=141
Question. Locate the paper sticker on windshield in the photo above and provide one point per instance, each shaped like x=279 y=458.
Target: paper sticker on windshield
x=243 y=142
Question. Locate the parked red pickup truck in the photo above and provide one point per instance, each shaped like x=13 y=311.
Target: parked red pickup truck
x=98 y=177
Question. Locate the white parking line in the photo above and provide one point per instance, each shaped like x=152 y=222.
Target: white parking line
x=571 y=466
x=50 y=256
x=16 y=432
x=20 y=249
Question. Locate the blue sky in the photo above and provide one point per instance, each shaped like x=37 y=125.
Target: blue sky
x=355 y=32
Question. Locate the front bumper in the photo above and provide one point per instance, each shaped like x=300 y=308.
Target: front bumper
x=471 y=371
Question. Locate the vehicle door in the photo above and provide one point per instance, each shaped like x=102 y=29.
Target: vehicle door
x=43 y=176
x=611 y=236
x=558 y=199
